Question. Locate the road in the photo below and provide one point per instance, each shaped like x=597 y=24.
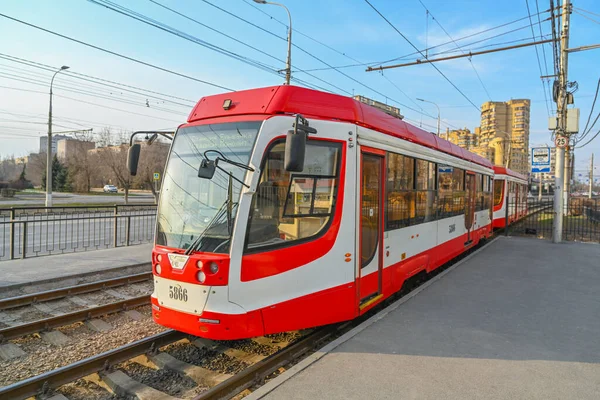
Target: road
x=38 y=199
x=62 y=234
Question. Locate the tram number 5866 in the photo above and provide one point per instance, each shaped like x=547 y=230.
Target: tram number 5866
x=178 y=293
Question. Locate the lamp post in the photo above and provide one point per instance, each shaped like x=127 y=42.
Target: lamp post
x=288 y=68
x=438 y=108
x=49 y=145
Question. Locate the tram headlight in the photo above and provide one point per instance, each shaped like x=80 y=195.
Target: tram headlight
x=157 y=269
x=200 y=264
x=214 y=268
x=201 y=276
x=159 y=257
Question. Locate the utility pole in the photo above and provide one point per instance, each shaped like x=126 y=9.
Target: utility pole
x=561 y=115
x=49 y=144
x=591 y=176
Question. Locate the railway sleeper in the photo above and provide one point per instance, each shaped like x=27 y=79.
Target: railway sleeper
x=124 y=385
x=238 y=354
x=201 y=376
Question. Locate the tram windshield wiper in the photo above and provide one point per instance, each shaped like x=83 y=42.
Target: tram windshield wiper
x=208 y=167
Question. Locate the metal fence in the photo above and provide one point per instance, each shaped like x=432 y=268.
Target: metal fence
x=38 y=231
x=581 y=221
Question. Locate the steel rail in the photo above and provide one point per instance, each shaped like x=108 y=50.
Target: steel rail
x=69 y=373
x=13 y=332
x=54 y=294
x=258 y=372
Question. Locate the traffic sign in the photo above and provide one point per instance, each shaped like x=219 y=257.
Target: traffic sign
x=561 y=141
x=156 y=176
x=540 y=159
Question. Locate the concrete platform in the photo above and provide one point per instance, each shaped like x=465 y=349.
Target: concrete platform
x=48 y=268
x=520 y=319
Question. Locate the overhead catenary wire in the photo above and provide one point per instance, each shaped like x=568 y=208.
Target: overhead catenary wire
x=85 y=93
x=102 y=83
x=114 y=53
x=415 y=47
x=537 y=55
x=361 y=64
x=310 y=54
x=236 y=40
x=585 y=130
x=458 y=47
x=166 y=28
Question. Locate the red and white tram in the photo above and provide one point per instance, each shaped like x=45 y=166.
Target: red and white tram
x=510 y=190
x=285 y=208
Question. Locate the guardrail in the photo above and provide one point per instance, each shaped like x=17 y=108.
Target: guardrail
x=581 y=221
x=37 y=231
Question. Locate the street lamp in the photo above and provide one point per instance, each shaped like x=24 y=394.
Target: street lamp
x=49 y=145
x=288 y=68
x=438 y=108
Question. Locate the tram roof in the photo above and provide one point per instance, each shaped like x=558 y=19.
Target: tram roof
x=310 y=103
x=499 y=170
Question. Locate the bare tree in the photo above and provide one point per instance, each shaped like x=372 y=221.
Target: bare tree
x=152 y=159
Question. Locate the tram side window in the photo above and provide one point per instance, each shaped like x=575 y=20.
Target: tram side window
x=498 y=189
x=451 y=191
x=480 y=195
x=401 y=209
x=288 y=206
x=487 y=192
x=426 y=193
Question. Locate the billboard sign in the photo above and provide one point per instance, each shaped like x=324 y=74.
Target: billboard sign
x=540 y=159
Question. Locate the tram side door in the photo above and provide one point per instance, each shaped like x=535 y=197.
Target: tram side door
x=370 y=228
x=470 y=194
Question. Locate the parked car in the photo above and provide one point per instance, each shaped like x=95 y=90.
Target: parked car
x=110 y=189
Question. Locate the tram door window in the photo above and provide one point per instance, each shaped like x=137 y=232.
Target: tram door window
x=369 y=221
x=470 y=193
x=498 y=191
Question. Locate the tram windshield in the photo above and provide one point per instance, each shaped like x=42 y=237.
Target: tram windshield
x=196 y=211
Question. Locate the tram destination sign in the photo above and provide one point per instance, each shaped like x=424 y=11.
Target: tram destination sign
x=540 y=159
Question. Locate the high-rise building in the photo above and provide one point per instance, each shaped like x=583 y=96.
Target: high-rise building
x=55 y=139
x=460 y=137
x=68 y=148
x=505 y=127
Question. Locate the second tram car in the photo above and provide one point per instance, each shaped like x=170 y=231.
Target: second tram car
x=510 y=195
x=285 y=208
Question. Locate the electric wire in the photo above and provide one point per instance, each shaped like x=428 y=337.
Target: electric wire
x=537 y=55
x=585 y=130
x=459 y=48
x=415 y=47
x=237 y=40
x=84 y=92
x=93 y=79
x=166 y=28
x=116 y=54
x=586 y=17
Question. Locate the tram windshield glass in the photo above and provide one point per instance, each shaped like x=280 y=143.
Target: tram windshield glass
x=198 y=211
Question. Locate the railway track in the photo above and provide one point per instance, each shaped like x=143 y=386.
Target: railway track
x=16 y=331
x=216 y=370
x=55 y=294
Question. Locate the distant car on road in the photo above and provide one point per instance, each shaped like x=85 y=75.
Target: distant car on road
x=110 y=189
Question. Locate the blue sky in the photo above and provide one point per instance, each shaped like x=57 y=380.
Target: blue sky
x=350 y=27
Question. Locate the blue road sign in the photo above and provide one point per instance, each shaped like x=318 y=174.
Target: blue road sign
x=540 y=159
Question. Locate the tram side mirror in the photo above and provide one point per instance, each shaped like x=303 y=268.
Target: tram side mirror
x=295 y=148
x=133 y=157
x=207 y=169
